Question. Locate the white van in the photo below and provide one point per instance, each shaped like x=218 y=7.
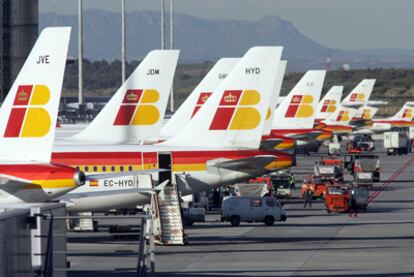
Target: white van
x=257 y=209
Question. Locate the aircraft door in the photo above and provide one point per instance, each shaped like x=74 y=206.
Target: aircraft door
x=164 y=162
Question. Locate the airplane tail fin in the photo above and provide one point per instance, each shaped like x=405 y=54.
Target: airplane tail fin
x=342 y=116
x=198 y=97
x=29 y=112
x=329 y=102
x=275 y=97
x=298 y=109
x=405 y=113
x=361 y=93
x=234 y=115
x=137 y=109
x=365 y=112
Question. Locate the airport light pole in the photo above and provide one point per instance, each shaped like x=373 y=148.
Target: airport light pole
x=80 y=54
x=172 y=47
x=123 y=51
x=162 y=24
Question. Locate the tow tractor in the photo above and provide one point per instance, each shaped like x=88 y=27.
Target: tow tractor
x=365 y=168
x=316 y=185
x=343 y=198
x=281 y=185
x=337 y=199
x=329 y=169
x=360 y=144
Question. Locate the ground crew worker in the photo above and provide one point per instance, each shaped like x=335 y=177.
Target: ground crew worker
x=308 y=197
x=292 y=181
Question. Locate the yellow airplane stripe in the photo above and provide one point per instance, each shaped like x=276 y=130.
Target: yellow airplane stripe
x=189 y=167
x=284 y=145
x=278 y=165
x=51 y=184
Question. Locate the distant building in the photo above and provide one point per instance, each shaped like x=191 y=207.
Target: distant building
x=345 y=67
x=18 y=33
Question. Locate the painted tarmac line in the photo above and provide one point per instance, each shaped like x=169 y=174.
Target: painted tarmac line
x=385 y=184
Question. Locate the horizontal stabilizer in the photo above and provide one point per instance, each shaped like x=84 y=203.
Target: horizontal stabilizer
x=270 y=144
x=352 y=104
x=306 y=136
x=244 y=165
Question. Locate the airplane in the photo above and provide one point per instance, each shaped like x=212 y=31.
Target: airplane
x=139 y=105
x=338 y=122
x=403 y=118
x=219 y=146
x=293 y=119
x=363 y=116
x=29 y=115
x=329 y=103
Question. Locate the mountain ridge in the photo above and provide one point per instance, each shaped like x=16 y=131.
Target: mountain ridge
x=203 y=39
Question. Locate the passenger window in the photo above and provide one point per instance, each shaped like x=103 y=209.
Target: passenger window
x=255 y=202
x=86 y=168
x=121 y=168
x=270 y=202
x=112 y=168
x=104 y=168
x=95 y=168
x=129 y=168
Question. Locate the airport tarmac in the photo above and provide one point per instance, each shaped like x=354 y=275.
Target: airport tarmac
x=378 y=242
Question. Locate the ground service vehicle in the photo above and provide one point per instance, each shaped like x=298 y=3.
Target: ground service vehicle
x=281 y=185
x=251 y=189
x=317 y=186
x=358 y=165
x=360 y=144
x=252 y=209
x=329 y=169
x=191 y=215
x=334 y=148
x=411 y=134
x=397 y=143
x=337 y=199
x=359 y=199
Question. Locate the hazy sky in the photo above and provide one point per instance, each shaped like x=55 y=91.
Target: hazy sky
x=346 y=24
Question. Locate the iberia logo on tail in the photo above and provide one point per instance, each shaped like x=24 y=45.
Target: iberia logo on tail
x=200 y=102
x=236 y=111
x=366 y=114
x=300 y=107
x=357 y=97
x=343 y=116
x=408 y=113
x=28 y=118
x=138 y=108
x=329 y=106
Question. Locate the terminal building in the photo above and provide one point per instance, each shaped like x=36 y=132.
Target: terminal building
x=18 y=33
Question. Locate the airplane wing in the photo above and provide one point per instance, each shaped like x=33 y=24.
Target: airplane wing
x=243 y=165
